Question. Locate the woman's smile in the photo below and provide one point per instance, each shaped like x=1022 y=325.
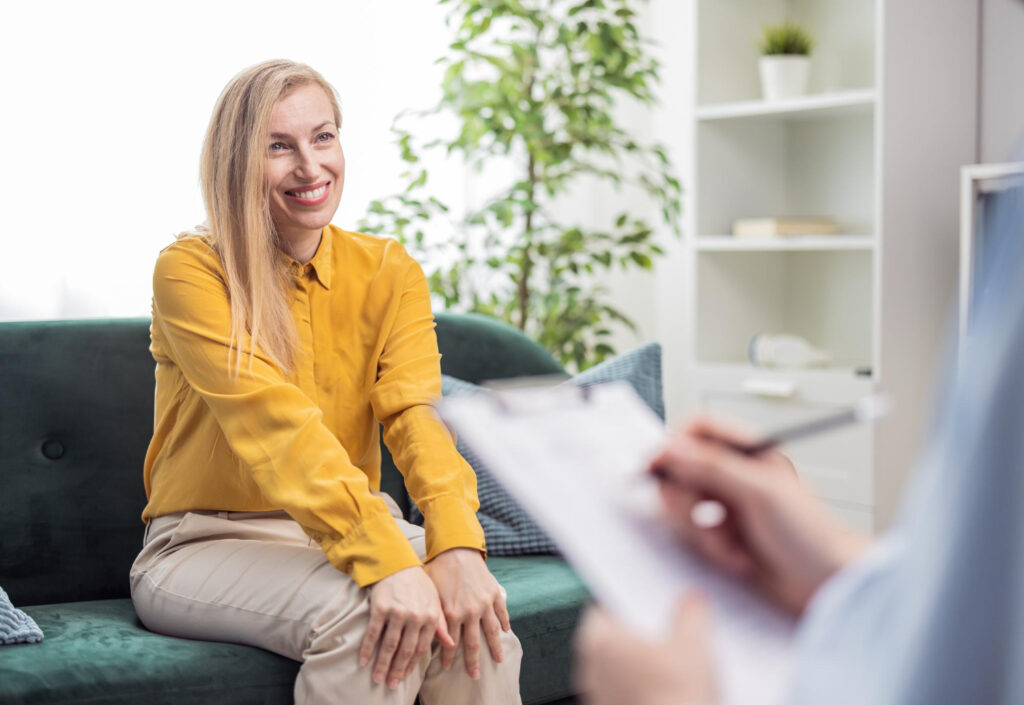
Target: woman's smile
x=312 y=195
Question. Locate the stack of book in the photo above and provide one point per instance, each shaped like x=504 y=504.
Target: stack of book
x=783 y=227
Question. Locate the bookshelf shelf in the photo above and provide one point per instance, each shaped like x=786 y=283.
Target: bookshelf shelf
x=730 y=243
x=827 y=104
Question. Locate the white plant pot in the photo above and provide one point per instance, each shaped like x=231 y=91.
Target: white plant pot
x=784 y=75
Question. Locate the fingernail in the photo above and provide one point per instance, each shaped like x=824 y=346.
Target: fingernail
x=363 y=660
x=378 y=678
x=393 y=683
x=475 y=675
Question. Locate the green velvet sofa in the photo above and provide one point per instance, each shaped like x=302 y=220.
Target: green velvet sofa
x=76 y=414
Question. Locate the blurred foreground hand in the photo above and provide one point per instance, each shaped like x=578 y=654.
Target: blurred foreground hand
x=775 y=534
x=616 y=667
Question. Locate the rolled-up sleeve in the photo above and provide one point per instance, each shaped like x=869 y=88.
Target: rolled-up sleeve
x=408 y=384
x=274 y=428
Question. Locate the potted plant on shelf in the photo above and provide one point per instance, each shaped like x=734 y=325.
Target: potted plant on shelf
x=785 y=60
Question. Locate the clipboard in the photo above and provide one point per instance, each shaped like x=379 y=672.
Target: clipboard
x=575 y=458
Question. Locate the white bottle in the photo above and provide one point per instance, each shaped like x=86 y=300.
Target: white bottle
x=784 y=350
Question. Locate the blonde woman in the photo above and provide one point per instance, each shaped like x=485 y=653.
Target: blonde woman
x=280 y=342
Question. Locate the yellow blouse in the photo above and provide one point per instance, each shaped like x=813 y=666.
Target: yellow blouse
x=308 y=442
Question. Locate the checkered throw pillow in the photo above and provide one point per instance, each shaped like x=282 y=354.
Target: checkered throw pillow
x=507 y=528
x=16 y=627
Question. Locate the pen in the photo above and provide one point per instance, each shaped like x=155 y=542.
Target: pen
x=709 y=513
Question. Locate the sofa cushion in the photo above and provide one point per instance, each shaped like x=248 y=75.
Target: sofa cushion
x=475 y=347
x=546 y=597
x=640 y=367
x=98 y=652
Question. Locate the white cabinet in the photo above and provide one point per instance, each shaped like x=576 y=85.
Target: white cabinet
x=875 y=146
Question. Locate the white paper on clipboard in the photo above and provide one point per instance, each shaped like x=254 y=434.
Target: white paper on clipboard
x=575 y=459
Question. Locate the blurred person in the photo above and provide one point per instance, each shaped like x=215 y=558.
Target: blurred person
x=931 y=613
x=280 y=342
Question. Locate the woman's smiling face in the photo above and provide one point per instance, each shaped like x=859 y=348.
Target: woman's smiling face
x=305 y=167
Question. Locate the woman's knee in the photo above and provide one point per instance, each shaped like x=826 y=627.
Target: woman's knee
x=511 y=647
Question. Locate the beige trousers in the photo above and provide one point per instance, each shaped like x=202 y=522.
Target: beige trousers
x=257 y=579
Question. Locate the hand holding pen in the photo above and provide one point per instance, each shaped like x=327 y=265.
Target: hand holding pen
x=771 y=530
x=709 y=513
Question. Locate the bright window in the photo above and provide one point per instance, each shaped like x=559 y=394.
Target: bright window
x=105 y=108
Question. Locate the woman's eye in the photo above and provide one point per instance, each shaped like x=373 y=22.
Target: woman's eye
x=325 y=137
x=278 y=146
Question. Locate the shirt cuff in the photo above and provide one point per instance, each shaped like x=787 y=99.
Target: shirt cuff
x=451 y=522
x=372 y=551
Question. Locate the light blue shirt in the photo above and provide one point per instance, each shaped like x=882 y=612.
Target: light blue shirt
x=934 y=614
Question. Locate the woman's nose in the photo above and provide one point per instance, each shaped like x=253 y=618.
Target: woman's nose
x=306 y=166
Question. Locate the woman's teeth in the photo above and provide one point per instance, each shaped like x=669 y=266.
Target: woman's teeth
x=309 y=195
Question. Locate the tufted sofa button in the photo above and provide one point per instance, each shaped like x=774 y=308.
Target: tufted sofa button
x=53 y=449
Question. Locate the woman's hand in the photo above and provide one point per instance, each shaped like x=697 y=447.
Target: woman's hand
x=472 y=602
x=614 y=666
x=775 y=533
x=405 y=612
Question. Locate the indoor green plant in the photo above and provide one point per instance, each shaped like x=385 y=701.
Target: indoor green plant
x=785 y=60
x=533 y=84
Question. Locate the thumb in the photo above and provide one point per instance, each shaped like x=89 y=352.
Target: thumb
x=442 y=632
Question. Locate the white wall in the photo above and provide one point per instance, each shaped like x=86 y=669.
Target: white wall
x=1001 y=98
x=656 y=301
x=671 y=27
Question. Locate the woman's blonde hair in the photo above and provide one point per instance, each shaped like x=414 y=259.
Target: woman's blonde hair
x=238 y=223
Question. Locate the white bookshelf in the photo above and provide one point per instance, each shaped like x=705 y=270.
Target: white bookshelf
x=876 y=146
